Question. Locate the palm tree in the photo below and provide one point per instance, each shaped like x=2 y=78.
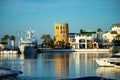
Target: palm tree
x=46 y=40
x=5 y=39
x=98 y=33
x=12 y=38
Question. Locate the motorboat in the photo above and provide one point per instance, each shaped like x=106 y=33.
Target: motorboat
x=8 y=73
x=107 y=62
x=115 y=48
x=29 y=44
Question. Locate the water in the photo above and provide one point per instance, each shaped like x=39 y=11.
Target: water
x=55 y=66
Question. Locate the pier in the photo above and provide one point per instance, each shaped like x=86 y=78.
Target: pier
x=8 y=51
x=76 y=50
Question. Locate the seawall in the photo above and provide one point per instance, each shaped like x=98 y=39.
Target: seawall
x=76 y=50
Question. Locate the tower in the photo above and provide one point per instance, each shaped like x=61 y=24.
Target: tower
x=60 y=35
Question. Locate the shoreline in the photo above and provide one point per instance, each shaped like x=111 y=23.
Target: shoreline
x=9 y=51
x=75 y=50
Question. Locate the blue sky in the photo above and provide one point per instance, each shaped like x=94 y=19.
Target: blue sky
x=41 y=15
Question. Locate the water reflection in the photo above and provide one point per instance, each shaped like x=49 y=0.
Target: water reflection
x=60 y=65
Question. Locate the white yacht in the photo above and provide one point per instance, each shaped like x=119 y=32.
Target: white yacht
x=107 y=62
x=29 y=44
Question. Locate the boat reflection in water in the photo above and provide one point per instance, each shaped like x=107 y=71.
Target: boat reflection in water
x=109 y=72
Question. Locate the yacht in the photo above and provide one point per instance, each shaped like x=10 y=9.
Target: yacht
x=115 y=48
x=29 y=44
x=109 y=62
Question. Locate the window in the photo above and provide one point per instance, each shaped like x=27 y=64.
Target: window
x=82 y=40
x=61 y=32
x=60 y=27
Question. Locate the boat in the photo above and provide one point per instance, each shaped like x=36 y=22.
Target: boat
x=29 y=44
x=109 y=62
x=115 y=48
x=8 y=73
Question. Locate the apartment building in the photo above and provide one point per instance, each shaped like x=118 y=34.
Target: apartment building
x=84 y=40
x=111 y=34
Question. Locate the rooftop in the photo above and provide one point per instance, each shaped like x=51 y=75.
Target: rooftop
x=117 y=24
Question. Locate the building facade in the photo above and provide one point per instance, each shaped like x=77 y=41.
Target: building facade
x=61 y=31
x=111 y=34
x=86 y=40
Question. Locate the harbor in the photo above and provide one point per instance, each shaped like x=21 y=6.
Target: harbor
x=59 y=40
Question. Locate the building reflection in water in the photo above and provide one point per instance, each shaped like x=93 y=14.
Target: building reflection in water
x=82 y=64
x=61 y=65
x=72 y=64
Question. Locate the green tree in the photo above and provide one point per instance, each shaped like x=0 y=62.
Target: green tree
x=5 y=39
x=98 y=33
x=12 y=38
x=47 y=41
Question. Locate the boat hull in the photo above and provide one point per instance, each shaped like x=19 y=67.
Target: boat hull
x=28 y=49
x=105 y=62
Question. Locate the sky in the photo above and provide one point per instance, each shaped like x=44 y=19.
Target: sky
x=41 y=15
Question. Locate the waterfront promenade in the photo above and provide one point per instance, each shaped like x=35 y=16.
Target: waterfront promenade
x=8 y=51
x=75 y=50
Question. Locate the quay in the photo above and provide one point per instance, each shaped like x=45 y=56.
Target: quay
x=8 y=51
x=76 y=50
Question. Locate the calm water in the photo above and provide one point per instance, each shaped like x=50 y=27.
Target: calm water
x=58 y=65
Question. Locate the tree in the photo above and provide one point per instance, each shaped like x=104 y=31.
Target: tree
x=4 y=39
x=12 y=38
x=47 y=41
x=98 y=33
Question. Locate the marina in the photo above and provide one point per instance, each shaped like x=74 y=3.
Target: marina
x=59 y=40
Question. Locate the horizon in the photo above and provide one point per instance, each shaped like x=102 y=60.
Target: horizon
x=41 y=15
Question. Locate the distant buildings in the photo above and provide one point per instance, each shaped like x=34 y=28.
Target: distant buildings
x=61 y=31
x=83 y=40
x=111 y=34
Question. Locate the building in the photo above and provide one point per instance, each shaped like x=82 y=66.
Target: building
x=72 y=40
x=60 y=35
x=111 y=34
x=84 y=40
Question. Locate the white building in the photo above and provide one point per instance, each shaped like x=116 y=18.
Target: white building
x=83 y=41
x=111 y=34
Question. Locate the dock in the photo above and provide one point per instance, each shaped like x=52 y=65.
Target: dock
x=76 y=50
x=8 y=51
